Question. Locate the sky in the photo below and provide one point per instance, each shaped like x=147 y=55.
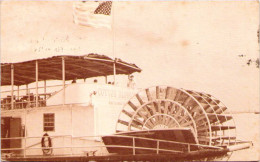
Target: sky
x=190 y=45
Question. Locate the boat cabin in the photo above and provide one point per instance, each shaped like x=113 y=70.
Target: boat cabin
x=67 y=101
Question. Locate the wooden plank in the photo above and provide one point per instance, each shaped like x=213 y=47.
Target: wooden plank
x=139 y=99
x=221 y=127
x=187 y=101
x=221 y=110
x=165 y=111
x=177 y=95
x=171 y=111
x=135 y=125
x=132 y=105
x=123 y=122
x=207 y=139
x=127 y=113
x=204 y=128
x=168 y=92
x=149 y=97
x=157 y=92
x=137 y=122
x=219 y=117
x=212 y=108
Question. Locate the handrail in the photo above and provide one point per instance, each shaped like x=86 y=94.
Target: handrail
x=123 y=136
x=71 y=146
x=24 y=89
x=35 y=137
x=119 y=146
x=184 y=143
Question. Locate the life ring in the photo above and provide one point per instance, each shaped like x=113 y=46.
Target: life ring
x=46 y=149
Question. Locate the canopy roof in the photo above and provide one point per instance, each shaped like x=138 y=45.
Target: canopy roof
x=80 y=67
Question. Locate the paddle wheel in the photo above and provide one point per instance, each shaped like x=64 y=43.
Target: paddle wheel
x=162 y=107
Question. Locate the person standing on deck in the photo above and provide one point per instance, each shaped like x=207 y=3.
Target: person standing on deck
x=131 y=82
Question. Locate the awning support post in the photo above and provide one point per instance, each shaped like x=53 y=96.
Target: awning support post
x=45 y=90
x=27 y=92
x=114 y=69
x=12 y=84
x=36 y=78
x=63 y=80
x=18 y=87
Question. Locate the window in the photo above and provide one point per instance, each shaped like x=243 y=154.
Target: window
x=48 y=122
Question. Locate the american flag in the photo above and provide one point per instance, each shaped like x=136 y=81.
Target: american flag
x=95 y=14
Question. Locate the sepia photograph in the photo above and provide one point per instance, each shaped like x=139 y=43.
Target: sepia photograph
x=130 y=80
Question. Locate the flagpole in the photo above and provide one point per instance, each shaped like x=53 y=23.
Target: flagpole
x=113 y=30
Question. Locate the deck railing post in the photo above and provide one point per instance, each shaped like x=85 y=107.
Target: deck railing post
x=45 y=90
x=18 y=93
x=133 y=146
x=24 y=148
x=157 y=148
x=12 y=86
x=36 y=78
x=71 y=147
x=188 y=147
x=63 y=80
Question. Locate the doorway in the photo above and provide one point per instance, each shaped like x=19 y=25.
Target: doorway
x=11 y=127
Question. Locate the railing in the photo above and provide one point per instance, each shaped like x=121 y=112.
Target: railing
x=77 y=146
x=25 y=98
x=25 y=101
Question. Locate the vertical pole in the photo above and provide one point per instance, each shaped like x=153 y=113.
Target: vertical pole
x=71 y=121
x=18 y=93
x=113 y=26
x=114 y=37
x=71 y=145
x=106 y=79
x=45 y=90
x=28 y=96
x=12 y=83
x=27 y=89
x=133 y=146
x=19 y=104
x=158 y=145
x=63 y=80
x=114 y=68
x=24 y=148
x=36 y=78
x=188 y=147
x=25 y=132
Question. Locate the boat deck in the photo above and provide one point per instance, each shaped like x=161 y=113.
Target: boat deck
x=193 y=155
